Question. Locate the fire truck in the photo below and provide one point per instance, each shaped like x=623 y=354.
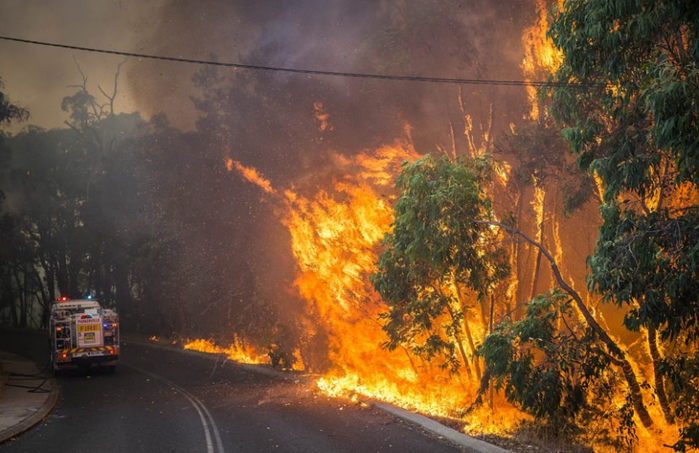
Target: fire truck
x=82 y=333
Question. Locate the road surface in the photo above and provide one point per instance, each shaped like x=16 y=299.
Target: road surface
x=164 y=400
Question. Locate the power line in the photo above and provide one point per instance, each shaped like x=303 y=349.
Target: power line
x=355 y=75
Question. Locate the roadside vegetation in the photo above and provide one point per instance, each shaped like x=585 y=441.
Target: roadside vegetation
x=625 y=97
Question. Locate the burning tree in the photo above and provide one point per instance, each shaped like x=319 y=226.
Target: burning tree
x=627 y=92
x=435 y=256
x=447 y=249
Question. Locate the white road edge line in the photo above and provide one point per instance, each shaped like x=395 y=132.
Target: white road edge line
x=207 y=420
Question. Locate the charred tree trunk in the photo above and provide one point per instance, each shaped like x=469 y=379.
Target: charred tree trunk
x=490 y=330
x=472 y=345
x=410 y=359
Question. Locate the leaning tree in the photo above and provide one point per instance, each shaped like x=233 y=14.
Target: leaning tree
x=627 y=93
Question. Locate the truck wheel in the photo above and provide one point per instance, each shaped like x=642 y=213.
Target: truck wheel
x=56 y=371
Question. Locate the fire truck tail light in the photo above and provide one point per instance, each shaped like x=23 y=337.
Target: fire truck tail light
x=111 y=352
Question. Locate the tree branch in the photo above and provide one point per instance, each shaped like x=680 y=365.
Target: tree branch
x=614 y=349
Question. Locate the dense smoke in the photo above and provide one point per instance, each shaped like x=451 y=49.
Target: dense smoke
x=224 y=262
x=467 y=40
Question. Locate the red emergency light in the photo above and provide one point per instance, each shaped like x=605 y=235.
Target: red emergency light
x=63 y=299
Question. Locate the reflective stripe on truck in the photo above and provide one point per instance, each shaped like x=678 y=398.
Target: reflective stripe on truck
x=82 y=352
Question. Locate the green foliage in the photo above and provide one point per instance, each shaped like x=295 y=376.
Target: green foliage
x=437 y=244
x=552 y=371
x=638 y=64
x=682 y=372
x=539 y=150
x=633 y=121
x=649 y=262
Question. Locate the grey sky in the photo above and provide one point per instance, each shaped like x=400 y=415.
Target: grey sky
x=37 y=78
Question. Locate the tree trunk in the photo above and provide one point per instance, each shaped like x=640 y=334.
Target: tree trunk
x=517 y=310
x=460 y=344
x=659 y=384
x=467 y=329
x=9 y=295
x=490 y=330
x=62 y=271
x=473 y=348
x=410 y=359
x=539 y=254
x=21 y=295
x=618 y=356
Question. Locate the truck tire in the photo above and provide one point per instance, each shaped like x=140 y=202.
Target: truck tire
x=56 y=371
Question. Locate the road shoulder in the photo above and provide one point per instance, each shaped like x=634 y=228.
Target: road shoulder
x=28 y=396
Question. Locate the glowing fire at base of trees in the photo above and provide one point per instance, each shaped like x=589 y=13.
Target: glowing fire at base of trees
x=240 y=354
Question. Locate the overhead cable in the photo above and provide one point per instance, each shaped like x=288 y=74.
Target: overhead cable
x=356 y=75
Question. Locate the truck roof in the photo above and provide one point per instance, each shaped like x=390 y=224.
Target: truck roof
x=81 y=304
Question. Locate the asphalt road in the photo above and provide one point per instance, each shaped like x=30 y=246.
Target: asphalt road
x=163 y=400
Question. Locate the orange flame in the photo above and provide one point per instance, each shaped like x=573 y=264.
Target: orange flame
x=238 y=353
x=335 y=237
x=540 y=56
x=322 y=117
x=249 y=174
